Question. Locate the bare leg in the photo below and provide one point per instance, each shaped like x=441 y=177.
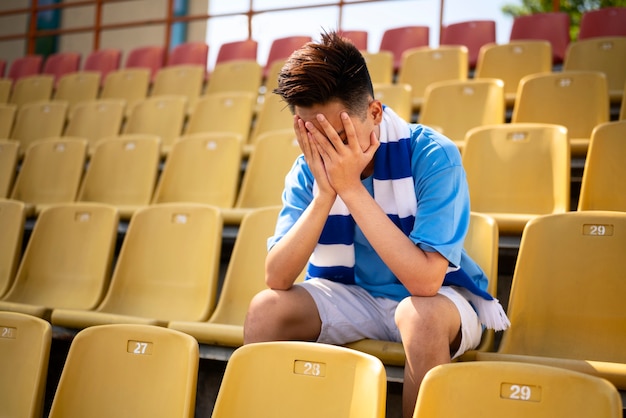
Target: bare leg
x=276 y=315
x=428 y=326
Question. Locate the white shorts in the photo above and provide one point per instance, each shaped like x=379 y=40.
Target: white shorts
x=350 y=313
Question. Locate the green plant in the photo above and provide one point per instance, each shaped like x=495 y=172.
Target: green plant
x=575 y=9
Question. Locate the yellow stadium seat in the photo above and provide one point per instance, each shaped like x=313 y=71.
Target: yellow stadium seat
x=67 y=261
x=604 y=176
x=516 y=172
x=163 y=116
x=128 y=84
x=578 y=100
x=225 y=112
x=264 y=178
x=9 y=154
x=76 y=87
x=39 y=120
x=425 y=65
x=481 y=244
x=95 y=120
x=511 y=61
x=474 y=102
x=122 y=172
x=24 y=354
x=50 y=173
x=379 y=65
x=397 y=96
x=128 y=371
x=273 y=115
x=514 y=390
x=245 y=277
x=604 y=54
x=182 y=80
x=566 y=304
x=301 y=379
x=201 y=168
x=12 y=220
x=167 y=269
x=7 y=118
x=34 y=88
x=6 y=84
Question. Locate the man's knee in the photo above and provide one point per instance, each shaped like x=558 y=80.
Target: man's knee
x=281 y=315
x=427 y=316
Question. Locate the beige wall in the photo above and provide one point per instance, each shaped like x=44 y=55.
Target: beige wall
x=10 y=25
x=82 y=16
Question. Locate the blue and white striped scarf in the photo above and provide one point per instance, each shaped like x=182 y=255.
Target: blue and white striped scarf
x=394 y=190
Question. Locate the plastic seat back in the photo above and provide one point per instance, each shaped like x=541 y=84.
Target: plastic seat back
x=474 y=102
x=512 y=61
x=168 y=264
x=201 y=168
x=24 y=354
x=95 y=120
x=397 y=96
x=225 y=112
x=122 y=172
x=238 y=50
x=379 y=65
x=128 y=371
x=263 y=181
x=472 y=33
x=516 y=172
x=606 y=21
x=60 y=64
x=573 y=256
x=39 y=120
x=397 y=40
x=7 y=118
x=76 y=87
x=499 y=389
x=50 y=173
x=357 y=37
x=151 y=57
x=273 y=115
x=282 y=48
x=25 y=66
x=104 y=61
x=607 y=55
x=425 y=65
x=189 y=53
x=6 y=84
x=245 y=277
x=303 y=379
x=234 y=76
x=578 y=100
x=162 y=116
x=67 y=261
x=12 y=218
x=129 y=84
x=9 y=154
x=603 y=184
x=553 y=27
x=182 y=80
x=31 y=89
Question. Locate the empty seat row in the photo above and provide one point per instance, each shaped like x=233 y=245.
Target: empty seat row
x=160 y=368
x=578 y=100
x=124 y=172
x=167 y=116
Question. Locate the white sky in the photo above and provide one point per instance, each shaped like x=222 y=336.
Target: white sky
x=373 y=17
